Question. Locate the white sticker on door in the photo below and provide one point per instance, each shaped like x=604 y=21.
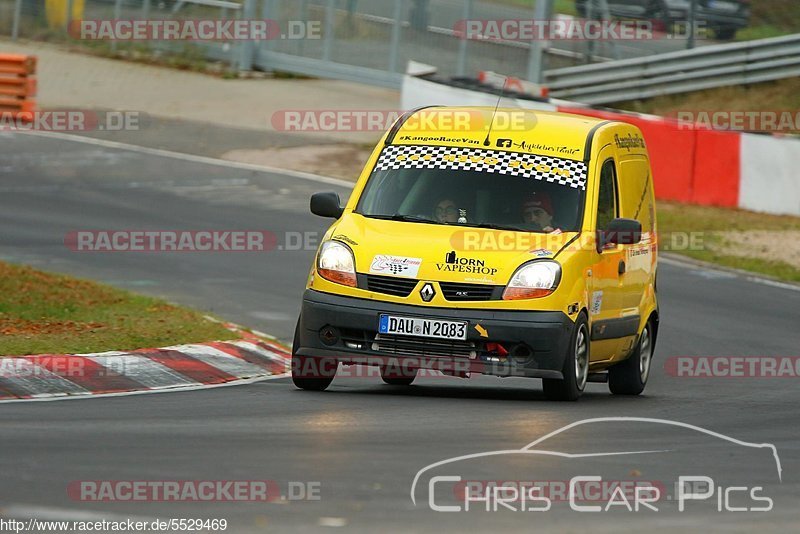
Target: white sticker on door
x=597 y=302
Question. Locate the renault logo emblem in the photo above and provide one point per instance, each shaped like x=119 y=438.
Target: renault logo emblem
x=427 y=292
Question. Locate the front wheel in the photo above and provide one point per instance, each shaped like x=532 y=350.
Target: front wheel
x=576 y=366
x=310 y=373
x=630 y=376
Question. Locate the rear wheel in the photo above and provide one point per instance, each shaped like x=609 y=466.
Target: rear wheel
x=310 y=373
x=630 y=376
x=576 y=366
x=398 y=377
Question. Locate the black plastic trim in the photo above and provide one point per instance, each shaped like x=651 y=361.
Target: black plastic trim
x=615 y=328
x=401 y=121
x=587 y=150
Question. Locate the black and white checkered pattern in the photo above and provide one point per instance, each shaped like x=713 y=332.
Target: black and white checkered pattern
x=475 y=159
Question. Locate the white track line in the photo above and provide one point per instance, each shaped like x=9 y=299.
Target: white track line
x=750 y=277
x=189 y=157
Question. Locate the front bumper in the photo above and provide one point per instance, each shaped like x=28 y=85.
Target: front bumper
x=536 y=341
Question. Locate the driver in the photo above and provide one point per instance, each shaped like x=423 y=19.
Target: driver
x=537 y=209
x=446 y=211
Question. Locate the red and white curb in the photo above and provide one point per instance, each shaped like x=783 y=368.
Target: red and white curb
x=61 y=376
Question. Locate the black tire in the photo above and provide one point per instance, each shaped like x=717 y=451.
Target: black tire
x=398 y=377
x=629 y=377
x=576 y=366
x=313 y=374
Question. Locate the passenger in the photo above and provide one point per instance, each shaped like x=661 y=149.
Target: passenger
x=538 y=210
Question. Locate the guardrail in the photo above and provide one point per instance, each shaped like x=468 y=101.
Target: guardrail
x=17 y=84
x=678 y=72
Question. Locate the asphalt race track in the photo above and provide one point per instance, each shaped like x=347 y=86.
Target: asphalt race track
x=363 y=441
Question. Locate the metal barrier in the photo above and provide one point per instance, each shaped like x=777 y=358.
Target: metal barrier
x=678 y=72
x=368 y=41
x=17 y=84
x=371 y=41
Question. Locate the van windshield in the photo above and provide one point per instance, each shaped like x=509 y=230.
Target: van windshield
x=476 y=188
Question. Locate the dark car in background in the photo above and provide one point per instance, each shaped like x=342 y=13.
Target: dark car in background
x=724 y=17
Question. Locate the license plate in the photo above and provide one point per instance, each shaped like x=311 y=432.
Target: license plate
x=417 y=326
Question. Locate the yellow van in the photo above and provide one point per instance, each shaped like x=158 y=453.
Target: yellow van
x=505 y=242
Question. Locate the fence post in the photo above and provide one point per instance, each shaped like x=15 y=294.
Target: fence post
x=327 y=46
x=690 y=43
x=461 y=63
x=394 y=51
x=269 y=11
x=543 y=10
x=117 y=15
x=246 y=47
x=304 y=15
x=17 y=15
x=68 y=17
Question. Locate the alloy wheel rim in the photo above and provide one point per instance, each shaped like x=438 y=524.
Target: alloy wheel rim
x=581 y=358
x=645 y=355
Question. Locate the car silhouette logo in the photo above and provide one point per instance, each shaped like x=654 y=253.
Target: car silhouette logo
x=427 y=292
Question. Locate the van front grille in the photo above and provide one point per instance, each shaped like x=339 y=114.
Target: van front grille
x=390 y=285
x=421 y=346
x=454 y=291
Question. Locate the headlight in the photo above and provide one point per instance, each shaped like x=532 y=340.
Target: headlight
x=336 y=263
x=533 y=280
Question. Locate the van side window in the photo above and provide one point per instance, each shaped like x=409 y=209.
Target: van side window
x=607 y=197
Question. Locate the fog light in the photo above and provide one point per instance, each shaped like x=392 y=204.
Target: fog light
x=521 y=352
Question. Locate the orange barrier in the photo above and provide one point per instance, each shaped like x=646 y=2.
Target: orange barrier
x=17 y=85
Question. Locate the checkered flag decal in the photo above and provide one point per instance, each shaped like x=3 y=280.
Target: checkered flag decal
x=397 y=268
x=555 y=170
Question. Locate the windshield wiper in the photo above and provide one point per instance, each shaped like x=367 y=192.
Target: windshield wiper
x=500 y=227
x=404 y=218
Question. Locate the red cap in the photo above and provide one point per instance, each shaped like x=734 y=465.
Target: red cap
x=539 y=200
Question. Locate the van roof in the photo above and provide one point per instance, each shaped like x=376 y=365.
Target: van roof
x=513 y=129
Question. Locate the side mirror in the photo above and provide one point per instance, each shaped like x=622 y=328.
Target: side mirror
x=621 y=232
x=326 y=205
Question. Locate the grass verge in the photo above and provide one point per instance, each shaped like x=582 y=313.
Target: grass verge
x=781 y=95
x=44 y=313
x=755 y=242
